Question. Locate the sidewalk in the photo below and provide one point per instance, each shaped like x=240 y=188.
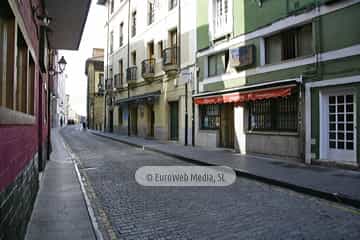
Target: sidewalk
x=60 y=210
x=329 y=183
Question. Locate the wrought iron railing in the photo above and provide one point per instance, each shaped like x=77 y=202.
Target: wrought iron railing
x=131 y=74
x=148 y=67
x=170 y=56
x=118 y=80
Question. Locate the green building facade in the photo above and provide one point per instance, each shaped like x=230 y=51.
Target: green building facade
x=279 y=78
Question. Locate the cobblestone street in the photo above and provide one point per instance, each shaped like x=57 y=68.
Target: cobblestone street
x=245 y=210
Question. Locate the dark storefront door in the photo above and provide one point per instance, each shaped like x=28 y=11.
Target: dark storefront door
x=133 y=121
x=174 y=121
x=227 y=130
x=152 y=122
x=111 y=121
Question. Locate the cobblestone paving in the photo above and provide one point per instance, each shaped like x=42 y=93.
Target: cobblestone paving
x=245 y=210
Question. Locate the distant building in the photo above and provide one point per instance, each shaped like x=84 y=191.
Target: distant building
x=94 y=70
x=58 y=100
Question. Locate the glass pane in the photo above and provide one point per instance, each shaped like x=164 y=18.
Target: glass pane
x=332 y=100
x=349 y=98
x=332 y=109
x=341 y=127
x=341 y=136
x=340 y=108
x=273 y=49
x=332 y=118
x=350 y=146
x=350 y=127
x=332 y=136
x=305 y=39
x=349 y=136
x=349 y=117
x=332 y=144
x=341 y=118
x=341 y=145
x=349 y=108
x=212 y=66
x=332 y=127
x=340 y=99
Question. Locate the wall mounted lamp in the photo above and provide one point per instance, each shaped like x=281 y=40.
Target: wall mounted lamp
x=62 y=65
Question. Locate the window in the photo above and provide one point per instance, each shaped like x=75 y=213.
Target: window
x=133 y=24
x=172 y=4
x=111 y=6
x=133 y=58
x=7 y=54
x=289 y=44
x=121 y=34
x=221 y=17
x=209 y=116
x=111 y=42
x=277 y=114
x=173 y=38
x=217 y=64
x=160 y=49
x=151 y=12
x=31 y=87
x=21 y=74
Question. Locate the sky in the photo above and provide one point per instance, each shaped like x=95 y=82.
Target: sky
x=93 y=37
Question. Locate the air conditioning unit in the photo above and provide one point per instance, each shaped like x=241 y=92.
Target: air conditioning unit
x=241 y=57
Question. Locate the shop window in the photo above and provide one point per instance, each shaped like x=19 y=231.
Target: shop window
x=21 y=74
x=278 y=114
x=7 y=56
x=217 y=64
x=209 y=116
x=289 y=44
x=31 y=87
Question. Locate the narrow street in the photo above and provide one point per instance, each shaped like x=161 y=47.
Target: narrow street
x=245 y=210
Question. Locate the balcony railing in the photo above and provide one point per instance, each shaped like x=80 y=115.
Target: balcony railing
x=131 y=74
x=170 y=59
x=148 y=68
x=109 y=84
x=118 y=83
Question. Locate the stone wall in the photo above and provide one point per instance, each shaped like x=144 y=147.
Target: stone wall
x=17 y=201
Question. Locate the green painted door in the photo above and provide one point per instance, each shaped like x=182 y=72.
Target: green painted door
x=174 y=121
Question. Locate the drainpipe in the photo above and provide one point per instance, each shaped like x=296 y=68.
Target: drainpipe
x=186 y=84
x=107 y=67
x=128 y=66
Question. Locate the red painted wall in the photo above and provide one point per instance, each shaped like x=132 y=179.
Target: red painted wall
x=19 y=143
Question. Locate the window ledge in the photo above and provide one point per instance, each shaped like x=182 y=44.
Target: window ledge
x=274 y=133
x=11 y=117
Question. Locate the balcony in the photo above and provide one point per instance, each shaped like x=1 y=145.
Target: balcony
x=148 y=69
x=131 y=75
x=170 y=60
x=109 y=84
x=118 y=84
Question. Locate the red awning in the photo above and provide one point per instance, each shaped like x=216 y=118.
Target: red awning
x=240 y=97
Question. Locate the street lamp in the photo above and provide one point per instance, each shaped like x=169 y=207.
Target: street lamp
x=62 y=65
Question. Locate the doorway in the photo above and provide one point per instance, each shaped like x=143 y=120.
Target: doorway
x=174 y=121
x=338 y=133
x=227 y=128
x=151 y=121
x=111 y=121
x=133 y=121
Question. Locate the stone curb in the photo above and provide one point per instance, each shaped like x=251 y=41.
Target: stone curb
x=333 y=197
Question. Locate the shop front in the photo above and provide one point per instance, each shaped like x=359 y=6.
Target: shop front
x=259 y=121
